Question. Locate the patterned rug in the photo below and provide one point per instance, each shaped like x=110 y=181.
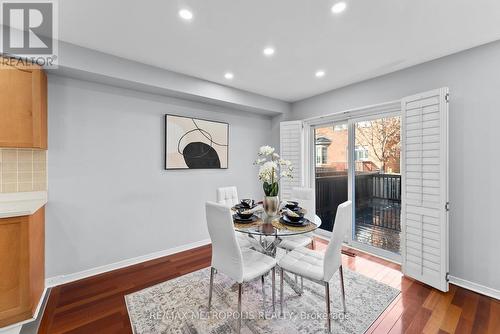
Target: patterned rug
x=180 y=306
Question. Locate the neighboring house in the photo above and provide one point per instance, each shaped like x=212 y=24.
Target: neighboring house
x=377 y=147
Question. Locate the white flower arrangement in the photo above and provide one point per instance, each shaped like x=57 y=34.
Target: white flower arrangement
x=266 y=150
x=272 y=169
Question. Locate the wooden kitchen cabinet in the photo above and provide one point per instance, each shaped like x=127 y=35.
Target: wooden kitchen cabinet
x=22 y=266
x=23 y=106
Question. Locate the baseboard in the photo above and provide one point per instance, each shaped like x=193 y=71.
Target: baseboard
x=484 y=290
x=63 y=279
x=40 y=302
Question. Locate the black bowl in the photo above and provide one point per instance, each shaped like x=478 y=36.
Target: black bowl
x=291 y=204
x=244 y=215
x=247 y=203
x=295 y=219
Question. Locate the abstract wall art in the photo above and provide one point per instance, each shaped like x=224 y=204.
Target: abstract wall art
x=192 y=143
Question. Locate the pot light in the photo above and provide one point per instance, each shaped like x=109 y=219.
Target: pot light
x=320 y=74
x=339 y=7
x=229 y=75
x=269 y=51
x=186 y=14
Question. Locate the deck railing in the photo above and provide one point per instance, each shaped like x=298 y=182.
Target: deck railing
x=378 y=191
x=330 y=192
x=378 y=185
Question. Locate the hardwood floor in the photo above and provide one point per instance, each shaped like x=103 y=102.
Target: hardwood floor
x=97 y=305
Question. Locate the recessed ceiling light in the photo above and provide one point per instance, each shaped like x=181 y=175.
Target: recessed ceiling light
x=269 y=51
x=185 y=14
x=320 y=74
x=229 y=75
x=339 y=7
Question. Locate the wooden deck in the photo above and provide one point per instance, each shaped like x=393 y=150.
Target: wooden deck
x=378 y=224
x=376 y=236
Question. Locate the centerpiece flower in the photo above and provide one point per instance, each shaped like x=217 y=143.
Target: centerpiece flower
x=272 y=169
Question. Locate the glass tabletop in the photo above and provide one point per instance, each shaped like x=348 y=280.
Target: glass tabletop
x=264 y=225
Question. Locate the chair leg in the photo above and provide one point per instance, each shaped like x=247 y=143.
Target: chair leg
x=212 y=274
x=263 y=294
x=240 y=289
x=342 y=290
x=281 y=291
x=274 y=288
x=313 y=244
x=328 y=315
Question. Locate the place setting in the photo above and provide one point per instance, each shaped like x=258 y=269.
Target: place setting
x=292 y=214
x=246 y=211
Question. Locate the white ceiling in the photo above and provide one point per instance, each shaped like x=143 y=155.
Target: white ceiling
x=369 y=39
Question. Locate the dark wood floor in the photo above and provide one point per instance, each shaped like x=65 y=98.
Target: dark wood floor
x=96 y=304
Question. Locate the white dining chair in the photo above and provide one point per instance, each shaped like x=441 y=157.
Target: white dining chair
x=229 y=196
x=319 y=267
x=241 y=265
x=306 y=199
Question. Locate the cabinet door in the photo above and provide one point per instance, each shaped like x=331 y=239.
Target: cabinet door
x=16 y=123
x=23 y=107
x=15 y=300
x=22 y=262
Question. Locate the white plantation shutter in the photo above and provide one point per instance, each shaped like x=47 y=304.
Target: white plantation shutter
x=292 y=148
x=424 y=162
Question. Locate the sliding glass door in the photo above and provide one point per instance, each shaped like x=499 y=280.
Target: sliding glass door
x=331 y=170
x=359 y=159
x=377 y=185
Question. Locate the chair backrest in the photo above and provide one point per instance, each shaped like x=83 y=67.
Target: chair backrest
x=305 y=197
x=227 y=196
x=333 y=260
x=226 y=253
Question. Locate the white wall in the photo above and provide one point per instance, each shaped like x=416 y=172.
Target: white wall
x=473 y=77
x=109 y=197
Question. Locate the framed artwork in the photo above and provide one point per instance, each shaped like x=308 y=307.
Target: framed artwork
x=193 y=143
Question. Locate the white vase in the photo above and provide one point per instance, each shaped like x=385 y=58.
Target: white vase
x=271 y=205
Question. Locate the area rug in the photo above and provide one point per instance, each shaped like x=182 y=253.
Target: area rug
x=180 y=306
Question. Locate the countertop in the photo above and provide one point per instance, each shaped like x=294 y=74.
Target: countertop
x=21 y=204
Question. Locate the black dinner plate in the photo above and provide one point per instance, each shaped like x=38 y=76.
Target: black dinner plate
x=285 y=220
x=238 y=219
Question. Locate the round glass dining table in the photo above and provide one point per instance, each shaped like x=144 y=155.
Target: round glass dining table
x=268 y=232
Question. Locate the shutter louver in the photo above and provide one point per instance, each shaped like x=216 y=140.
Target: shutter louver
x=291 y=148
x=424 y=157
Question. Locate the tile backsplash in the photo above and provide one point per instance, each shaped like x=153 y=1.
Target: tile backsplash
x=22 y=170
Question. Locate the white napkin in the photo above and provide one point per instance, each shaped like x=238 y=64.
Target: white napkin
x=257 y=208
x=291 y=213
